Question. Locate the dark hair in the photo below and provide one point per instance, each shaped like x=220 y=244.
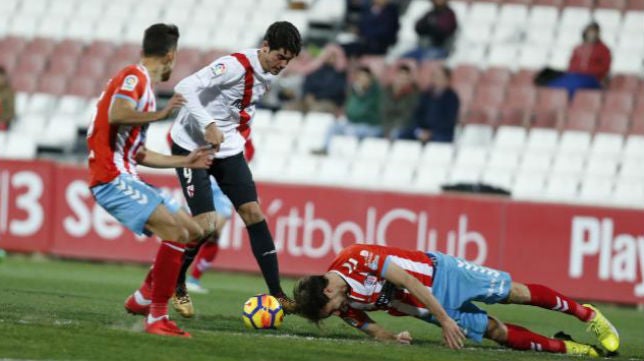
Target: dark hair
x=447 y=71
x=310 y=298
x=404 y=67
x=365 y=69
x=3 y=71
x=159 y=39
x=284 y=35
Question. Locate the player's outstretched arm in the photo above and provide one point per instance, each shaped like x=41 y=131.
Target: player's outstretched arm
x=452 y=334
x=381 y=334
x=200 y=158
x=123 y=111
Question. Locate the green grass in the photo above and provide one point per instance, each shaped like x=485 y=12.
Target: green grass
x=62 y=310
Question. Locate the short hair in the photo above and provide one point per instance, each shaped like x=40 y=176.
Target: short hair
x=284 y=35
x=447 y=71
x=404 y=67
x=160 y=39
x=310 y=298
x=365 y=69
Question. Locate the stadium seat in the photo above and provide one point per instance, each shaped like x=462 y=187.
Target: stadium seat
x=62 y=9
x=607 y=145
x=626 y=62
x=560 y=59
x=611 y=4
x=484 y=108
x=39 y=46
x=22 y=100
x=103 y=49
x=430 y=179
x=302 y=168
x=495 y=77
x=528 y=185
x=536 y=161
x=24 y=82
x=543 y=16
x=365 y=173
x=482 y=13
x=333 y=170
x=268 y=168
x=437 y=155
x=598 y=165
x=81 y=29
x=476 y=135
x=498 y=177
x=627 y=192
x=543 y=139
x=570 y=164
x=279 y=145
x=62 y=65
x=285 y=121
x=503 y=159
x=549 y=109
x=517 y=106
x=373 y=149
x=24 y=25
x=574 y=142
x=60 y=133
x=523 y=78
x=632 y=169
x=343 y=146
x=618 y=102
x=589 y=100
x=157 y=137
x=471 y=156
x=53 y=84
x=533 y=57
x=552 y=3
x=515 y=14
x=41 y=103
x=596 y=189
x=503 y=55
x=3 y=142
x=510 y=138
x=84 y=87
x=581 y=119
x=468 y=74
x=28 y=63
x=562 y=188
x=637 y=123
x=464 y=174
x=314 y=131
x=19 y=146
x=613 y=122
x=574 y=18
x=68 y=47
x=635 y=5
x=404 y=151
x=397 y=176
x=608 y=19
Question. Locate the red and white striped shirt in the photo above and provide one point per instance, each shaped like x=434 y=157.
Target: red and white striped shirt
x=113 y=148
x=363 y=268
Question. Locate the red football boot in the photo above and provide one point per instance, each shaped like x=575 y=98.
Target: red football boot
x=165 y=327
x=135 y=308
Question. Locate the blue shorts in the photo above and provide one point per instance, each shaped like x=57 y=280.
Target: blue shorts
x=458 y=282
x=223 y=205
x=132 y=201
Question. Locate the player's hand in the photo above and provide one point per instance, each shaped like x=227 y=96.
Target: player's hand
x=452 y=334
x=176 y=102
x=200 y=158
x=214 y=136
x=404 y=338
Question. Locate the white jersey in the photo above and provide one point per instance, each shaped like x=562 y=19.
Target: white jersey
x=221 y=93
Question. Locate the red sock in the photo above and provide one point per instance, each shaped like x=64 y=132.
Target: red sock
x=206 y=255
x=545 y=297
x=146 y=287
x=520 y=338
x=164 y=276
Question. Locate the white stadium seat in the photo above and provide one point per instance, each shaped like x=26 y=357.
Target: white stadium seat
x=596 y=189
x=634 y=147
x=607 y=18
x=268 y=167
x=600 y=166
x=541 y=37
x=632 y=169
x=528 y=185
x=365 y=173
x=503 y=159
x=279 y=144
x=70 y=104
x=482 y=13
x=34 y=7
x=19 y=146
x=574 y=142
x=570 y=164
x=302 y=168
x=473 y=157
x=430 y=179
x=373 y=149
x=510 y=138
x=476 y=135
x=562 y=188
x=543 y=16
x=24 y=25
x=343 y=146
x=405 y=151
x=287 y=121
x=575 y=18
x=157 y=137
x=334 y=170
x=464 y=174
x=32 y=124
x=60 y=133
x=397 y=176
x=498 y=177
x=607 y=145
x=513 y=14
x=262 y=120
x=3 y=142
x=52 y=27
x=536 y=161
x=317 y=123
x=633 y=21
x=628 y=192
x=503 y=55
x=437 y=154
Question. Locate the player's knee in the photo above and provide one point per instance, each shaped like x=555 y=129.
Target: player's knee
x=519 y=293
x=183 y=234
x=496 y=330
x=251 y=213
x=207 y=223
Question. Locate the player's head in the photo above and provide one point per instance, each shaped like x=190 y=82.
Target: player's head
x=282 y=42
x=160 y=41
x=318 y=297
x=441 y=77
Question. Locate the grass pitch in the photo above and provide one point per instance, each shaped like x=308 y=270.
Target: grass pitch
x=63 y=310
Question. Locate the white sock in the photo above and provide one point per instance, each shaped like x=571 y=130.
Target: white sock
x=155 y=319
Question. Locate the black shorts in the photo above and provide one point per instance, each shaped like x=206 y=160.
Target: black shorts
x=233 y=177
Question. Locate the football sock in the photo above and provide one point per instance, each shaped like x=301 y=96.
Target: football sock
x=520 y=338
x=204 y=259
x=164 y=276
x=145 y=291
x=188 y=257
x=264 y=251
x=545 y=297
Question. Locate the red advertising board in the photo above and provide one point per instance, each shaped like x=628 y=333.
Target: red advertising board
x=587 y=252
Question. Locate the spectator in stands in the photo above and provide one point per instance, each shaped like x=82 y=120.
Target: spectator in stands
x=437 y=112
x=592 y=56
x=362 y=110
x=377 y=29
x=398 y=101
x=7 y=101
x=435 y=32
x=324 y=88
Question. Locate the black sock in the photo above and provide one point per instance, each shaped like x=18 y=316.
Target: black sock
x=188 y=256
x=264 y=251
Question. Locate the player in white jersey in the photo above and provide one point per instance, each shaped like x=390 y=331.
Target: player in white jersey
x=220 y=104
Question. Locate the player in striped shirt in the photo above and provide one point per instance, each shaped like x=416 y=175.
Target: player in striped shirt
x=116 y=142
x=438 y=288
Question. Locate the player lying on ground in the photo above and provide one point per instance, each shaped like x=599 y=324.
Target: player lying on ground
x=440 y=289
x=116 y=139
x=220 y=103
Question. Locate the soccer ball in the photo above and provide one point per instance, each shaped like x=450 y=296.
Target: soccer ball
x=262 y=312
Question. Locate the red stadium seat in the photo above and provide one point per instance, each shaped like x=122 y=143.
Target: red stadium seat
x=610 y=122
x=637 y=123
x=466 y=74
x=549 y=109
x=465 y=94
x=64 y=65
x=520 y=2
x=522 y=78
x=68 y=47
x=517 y=105
x=189 y=56
x=625 y=82
x=578 y=3
x=611 y=4
x=100 y=49
x=52 y=84
x=495 y=76
x=12 y=44
x=41 y=46
x=84 y=87
x=390 y=70
x=581 y=119
x=555 y=3
x=24 y=82
x=590 y=100
x=8 y=61
x=618 y=102
x=128 y=52
x=209 y=56
x=425 y=70
x=91 y=67
x=637 y=5
x=485 y=105
x=28 y=63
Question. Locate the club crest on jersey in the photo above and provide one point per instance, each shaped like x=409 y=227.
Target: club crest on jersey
x=370 y=280
x=218 y=69
x=129 y=83
x=190 y=190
